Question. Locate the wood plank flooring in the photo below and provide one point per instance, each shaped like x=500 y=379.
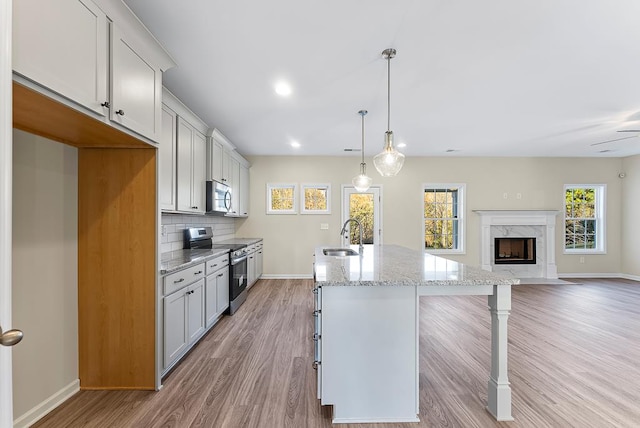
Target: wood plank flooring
x=574 y=361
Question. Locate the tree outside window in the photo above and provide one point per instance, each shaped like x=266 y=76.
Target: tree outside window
x=443 y=218
x=583 y=218
x=281 y=199
x=316 y=199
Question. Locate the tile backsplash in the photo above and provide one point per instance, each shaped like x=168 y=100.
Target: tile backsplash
x=174 y=224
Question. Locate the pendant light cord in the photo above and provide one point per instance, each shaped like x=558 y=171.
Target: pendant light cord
x=388 y=92
x=362 y=151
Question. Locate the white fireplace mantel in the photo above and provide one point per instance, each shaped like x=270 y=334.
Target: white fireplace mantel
x=543 y=219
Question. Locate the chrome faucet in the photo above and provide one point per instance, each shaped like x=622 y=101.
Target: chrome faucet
x=344 y=229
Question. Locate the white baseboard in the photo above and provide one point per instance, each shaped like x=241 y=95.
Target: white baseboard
x=286 y=276
x=39 y=411
x=631 y=277
x=589 y=275
x=599 y=275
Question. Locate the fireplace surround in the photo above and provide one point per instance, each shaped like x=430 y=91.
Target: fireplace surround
x=535 y=227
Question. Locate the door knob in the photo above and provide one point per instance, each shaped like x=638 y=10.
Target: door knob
x=10 y=337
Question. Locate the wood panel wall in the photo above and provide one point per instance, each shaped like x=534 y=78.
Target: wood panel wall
x=117 y=233
x=116 y=268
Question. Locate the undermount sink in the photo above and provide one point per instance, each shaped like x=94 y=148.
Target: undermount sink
x=340 y=252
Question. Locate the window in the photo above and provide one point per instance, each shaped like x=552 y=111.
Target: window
x=444 y=218
x=584 y=230
x=281 y=199
x=316 y=199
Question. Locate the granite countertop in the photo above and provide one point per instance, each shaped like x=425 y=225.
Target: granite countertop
x=180 y=259
x=395 y=265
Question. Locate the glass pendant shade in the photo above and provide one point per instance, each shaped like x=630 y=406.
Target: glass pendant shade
x=388 y=162
x=362 y=182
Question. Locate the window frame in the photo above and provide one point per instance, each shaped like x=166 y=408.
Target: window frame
x=461 y=218
x=273 y=186
x=324 y=186
x=600 y=219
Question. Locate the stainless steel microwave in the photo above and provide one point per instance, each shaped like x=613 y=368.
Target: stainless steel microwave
x=218 y=197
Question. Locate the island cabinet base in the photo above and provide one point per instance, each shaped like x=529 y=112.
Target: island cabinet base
x=369 y=355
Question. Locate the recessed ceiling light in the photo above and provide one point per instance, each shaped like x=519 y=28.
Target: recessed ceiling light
x=295 y=144
x=283 y=88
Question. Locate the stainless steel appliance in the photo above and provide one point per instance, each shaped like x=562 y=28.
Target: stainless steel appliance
x=200 y=239
x=237 y=277
x=218 y=198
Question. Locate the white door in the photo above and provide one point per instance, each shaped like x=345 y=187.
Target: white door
x=6 y=147
x=366 y=207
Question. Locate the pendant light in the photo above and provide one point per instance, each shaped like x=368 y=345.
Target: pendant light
x=389 y=161
x=362 y=182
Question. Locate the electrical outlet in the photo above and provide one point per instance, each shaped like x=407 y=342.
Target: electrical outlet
x=518 y=195
x=505 y=195
x=581 y=259
x=324 y=226
x=163 y=230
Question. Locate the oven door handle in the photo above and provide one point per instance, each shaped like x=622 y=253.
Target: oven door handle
x=238 y=260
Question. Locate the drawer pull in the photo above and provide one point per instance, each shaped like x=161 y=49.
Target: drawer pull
x=120 y=112
x=178 y=281
x=220 y=274
x=197 y=273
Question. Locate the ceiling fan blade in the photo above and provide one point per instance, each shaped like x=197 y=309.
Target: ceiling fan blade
x=611 y=141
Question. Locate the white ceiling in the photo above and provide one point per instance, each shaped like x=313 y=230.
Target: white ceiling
x=483 y=78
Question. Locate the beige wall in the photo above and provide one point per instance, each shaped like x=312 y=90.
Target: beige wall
x=45 y=225
x=290 y=239
x=630 y=211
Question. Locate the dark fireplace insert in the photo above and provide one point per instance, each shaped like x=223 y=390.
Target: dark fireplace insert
x=515 y=251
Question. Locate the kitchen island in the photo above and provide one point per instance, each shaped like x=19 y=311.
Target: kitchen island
x=367 y=318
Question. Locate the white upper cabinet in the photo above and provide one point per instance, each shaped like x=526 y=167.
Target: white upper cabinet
x=94 y=56
x=215 y=151
x=234 y=182
x=244 y=191
x=136 y=88
x=64 y=46
x=191 y=164
x=167 y=163
x=227 y=166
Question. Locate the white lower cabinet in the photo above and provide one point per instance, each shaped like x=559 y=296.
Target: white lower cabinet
x=183 y=320
x=175 y=331
x=254 y=263
x=217 y=289
x=183 y=312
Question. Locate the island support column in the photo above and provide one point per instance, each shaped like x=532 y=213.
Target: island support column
x=499 y=394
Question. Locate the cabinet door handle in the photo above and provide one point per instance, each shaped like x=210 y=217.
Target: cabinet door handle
x=197 y=273
x=106 y=104
x=220 y=274
x=194 y=208
x=178 y=281
x=120 y=112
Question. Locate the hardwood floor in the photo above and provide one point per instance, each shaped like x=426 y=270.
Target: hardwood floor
x=574 y=361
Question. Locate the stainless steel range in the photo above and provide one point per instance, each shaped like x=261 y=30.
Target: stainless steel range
x=199 y=239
